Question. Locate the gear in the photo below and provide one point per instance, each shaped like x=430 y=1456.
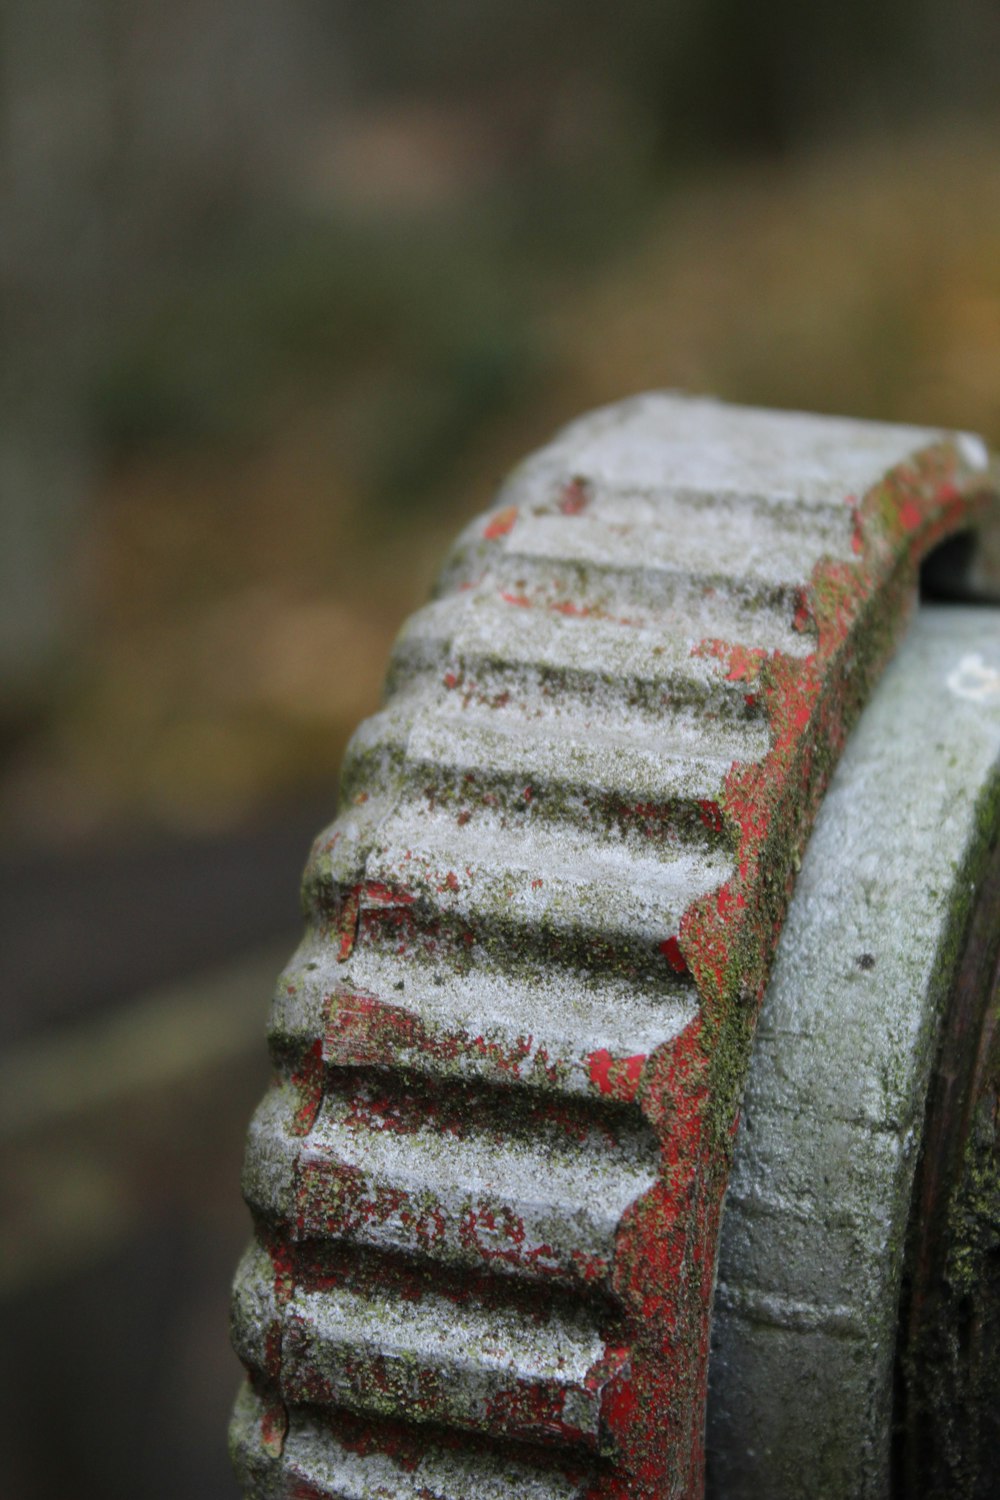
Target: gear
x=856 y=1325
x=487 y=1185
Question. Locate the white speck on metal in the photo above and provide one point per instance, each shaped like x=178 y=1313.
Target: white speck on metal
x=974 y=680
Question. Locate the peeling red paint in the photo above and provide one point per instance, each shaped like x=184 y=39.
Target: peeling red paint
x=273 y=1428
x=802 y=619
x=711 y=815
x=528 y=1411
x=307 y=1080
x=574 y=498
x=617 y=1076
x=363 y=1030
x=742 y=663
x=651 y=1383
x=377 y=893
x=501 y=524
x=665 y=1254
x=348 y=924
x=567 y=607
x=671 y=950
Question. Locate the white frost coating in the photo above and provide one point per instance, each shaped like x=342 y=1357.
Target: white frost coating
x=557 y=1019
x=486 y=869
x=483 y=632
x=313 y=1455
x=647 y=766
x=571 y=630
x=734 y=547
x=567 y=1196
x=437 y=1332
x=819 y=1197
x=973 y=450
x=677 y=443
x=974 y=680
x=255 y=1309
x=564 y=1194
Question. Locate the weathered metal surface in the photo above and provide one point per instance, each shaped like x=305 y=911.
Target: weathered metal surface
x=948 y=1390
x=538 y=934
x=814 y=1233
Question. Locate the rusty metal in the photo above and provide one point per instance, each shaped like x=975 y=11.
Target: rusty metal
x=949 y=1364
x=488 y=1181
x=804 y=1391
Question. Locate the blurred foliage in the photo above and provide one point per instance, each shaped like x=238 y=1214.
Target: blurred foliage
x=237 y=343
x=499 y=216
x=369 y=389
x=323 y=274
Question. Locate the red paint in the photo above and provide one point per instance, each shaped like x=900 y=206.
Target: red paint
x=671 y=951
x=617 y=1077
x=590 y=1268
x=501 y=524
x=535 y=1412
x=652 y=1384
x=377 y=893
x=574 y=498
x=728 y=901
x=910 y=515
x=273 y=1428
x=307 y=1080
x=348 y=924
x=665 y=1252
x=742 y=663
x=618 y=1407
x=520 y=600
x=711 y=815
x=802 y=619
x=362 y=1030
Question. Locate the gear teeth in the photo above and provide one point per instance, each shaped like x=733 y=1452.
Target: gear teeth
x=493 y=649
x=324 y=1461
x=487 y=1181
x=542 y=1029
x=445 y=1176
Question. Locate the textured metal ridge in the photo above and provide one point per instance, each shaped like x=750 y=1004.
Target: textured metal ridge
x=510 y=1051
x=804 y=1391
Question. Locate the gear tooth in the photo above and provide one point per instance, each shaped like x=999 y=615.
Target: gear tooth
x=488 y=1183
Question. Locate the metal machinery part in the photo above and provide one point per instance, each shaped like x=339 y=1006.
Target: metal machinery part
x=885 y=977
x=488 y=1181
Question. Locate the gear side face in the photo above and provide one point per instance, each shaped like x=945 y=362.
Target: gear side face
x=865 y=1021
x=510 y=1051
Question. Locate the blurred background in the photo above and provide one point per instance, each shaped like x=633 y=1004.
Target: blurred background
x=285 y=287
